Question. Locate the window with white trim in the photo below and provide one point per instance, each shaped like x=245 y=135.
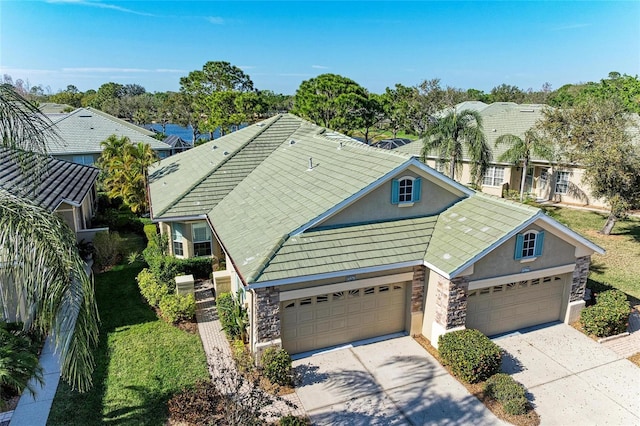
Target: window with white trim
x=405 y=190
x=494 y=176
x=201 y=235
x=562 y=182
x=176 y=239
x=529 y=245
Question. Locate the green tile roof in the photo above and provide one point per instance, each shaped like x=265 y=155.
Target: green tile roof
x=471 y=226
x=351 y=247
x=82 y=131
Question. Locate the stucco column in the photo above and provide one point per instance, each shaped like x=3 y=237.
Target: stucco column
x=266 y=327
x=578 y=285
x=417 y=299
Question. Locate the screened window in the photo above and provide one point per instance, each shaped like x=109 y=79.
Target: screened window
x=201 y=239
x=86 y=160
x=562 y=182
x=494 y=176
x=176 y=238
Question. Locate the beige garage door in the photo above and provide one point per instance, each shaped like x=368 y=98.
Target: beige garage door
x=335 y=318
x=516 y=305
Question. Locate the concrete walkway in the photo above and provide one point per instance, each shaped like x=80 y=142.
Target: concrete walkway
x=390 y=382
x=216 y=346
x=572 y=379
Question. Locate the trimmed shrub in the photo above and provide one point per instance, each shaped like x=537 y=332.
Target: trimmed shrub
x=608 y=317
x=151 y=231
x=107 y=248
x=292 y=420
x=516 y=406
x=471 y=355
x=150 y=288
x=176 y=307
x=199 y=267
x=503 y=388
x=241 y=355
x=276 y=366
x=224 y=304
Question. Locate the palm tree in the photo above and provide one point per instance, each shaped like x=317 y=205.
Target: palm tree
x=39 y=258
x=520 y=151
x=450 y=134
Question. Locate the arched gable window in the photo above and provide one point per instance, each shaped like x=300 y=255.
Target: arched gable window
x=529 y=244
x=405 y=190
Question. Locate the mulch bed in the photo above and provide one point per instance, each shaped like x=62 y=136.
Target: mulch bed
x=531 y=418
x=635 y=359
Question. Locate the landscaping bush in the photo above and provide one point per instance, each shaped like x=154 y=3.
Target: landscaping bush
x=121 y=220
x=199 y=267
x=608 y=317
x=242 y=356
x=18 y=360
x=151 y=232
x=276 y=366
x=291 y=420
x=516 y=406
x=234 y=319
x=471 y=355
x=175 y=307
x=107 y=248
x=150 y=288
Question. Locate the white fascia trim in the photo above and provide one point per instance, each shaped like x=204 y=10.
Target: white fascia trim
x=344 y=203
x=330 y=275
x=437 y=270
x=345 y=286
x=439 y=176
x=524 y=276
x=71 y=203
x=179 y=218
x=486 y=251
x=571 y=233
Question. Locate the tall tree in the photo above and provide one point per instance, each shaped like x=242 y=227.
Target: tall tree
x=125 y=167
x=598 y=135
x=42 y=262
x=519 y=152
x=507 y=93
x=451 y=133
x=329 y=100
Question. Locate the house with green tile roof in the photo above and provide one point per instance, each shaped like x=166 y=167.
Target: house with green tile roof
x=545 y=181
x=81 y=132
x=328 y=241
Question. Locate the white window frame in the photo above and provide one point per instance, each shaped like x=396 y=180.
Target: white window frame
x=492 y=177
x=177 y=243
x=195 y=241
x=560 y=183
x=529 y=240
x=402 y=189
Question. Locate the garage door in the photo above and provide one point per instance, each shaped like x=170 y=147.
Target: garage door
x=516 y=305
x=335 y=318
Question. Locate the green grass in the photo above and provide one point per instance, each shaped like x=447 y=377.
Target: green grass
x=141 y=360
x=620 y=266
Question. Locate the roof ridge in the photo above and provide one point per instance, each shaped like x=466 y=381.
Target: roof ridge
x=220 y=164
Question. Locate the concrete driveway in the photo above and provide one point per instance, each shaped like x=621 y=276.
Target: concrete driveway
x=392 y=382
x=571 y=379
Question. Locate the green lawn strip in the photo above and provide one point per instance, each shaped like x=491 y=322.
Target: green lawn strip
x=620 y=266
x=141 y=360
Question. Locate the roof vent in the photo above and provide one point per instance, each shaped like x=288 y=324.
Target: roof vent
x=310 y=163
x=340 y=146
x=225 y=153
x=292 y=142
x=526 y=110
x=493 y=130
x=260 y=124
x=214 y=147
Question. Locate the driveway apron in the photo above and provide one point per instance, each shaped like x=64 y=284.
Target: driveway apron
x=571 y=379
x=393 y=382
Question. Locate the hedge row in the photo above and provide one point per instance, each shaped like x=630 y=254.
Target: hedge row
x=608 y=317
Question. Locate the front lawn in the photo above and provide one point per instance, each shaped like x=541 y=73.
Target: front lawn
x=141 y=360
x=620 y=266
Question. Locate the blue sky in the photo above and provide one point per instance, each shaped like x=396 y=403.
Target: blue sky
x=280 y=44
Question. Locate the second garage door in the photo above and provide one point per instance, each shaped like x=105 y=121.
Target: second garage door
x=335 y=318
x=507 y=307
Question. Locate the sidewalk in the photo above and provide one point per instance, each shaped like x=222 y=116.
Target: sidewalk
x=627 y=345
x=216 y=345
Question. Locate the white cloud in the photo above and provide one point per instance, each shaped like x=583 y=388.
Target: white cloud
x=99 y=5
x=319 y=67
x=216 y=20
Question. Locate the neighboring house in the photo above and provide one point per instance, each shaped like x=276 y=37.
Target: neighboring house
x=329 y=241
x=82 y=131
x=65 y=188
x=560 y=182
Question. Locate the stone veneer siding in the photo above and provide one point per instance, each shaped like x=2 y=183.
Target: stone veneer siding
x=417 y=288
x=580 y=275
x=267 y=320
x=451 y=302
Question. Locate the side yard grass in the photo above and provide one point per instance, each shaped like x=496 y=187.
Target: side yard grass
x=141 y=361
x=620 y=266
